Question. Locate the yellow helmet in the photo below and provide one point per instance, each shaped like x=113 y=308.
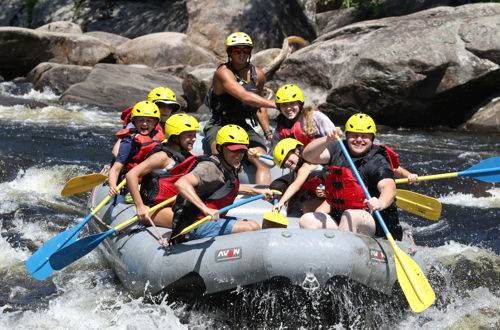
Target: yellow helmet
x=289 y=93
x=360 y=123
x=238 y=39
x=164 y=95
x=233 y=134
x=179 y=123
x=283 y=148
x=145 y=109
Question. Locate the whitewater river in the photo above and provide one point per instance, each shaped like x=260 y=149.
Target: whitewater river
x=40 y=149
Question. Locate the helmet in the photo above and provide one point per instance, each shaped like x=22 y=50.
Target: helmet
x=360 y=123
x=164 y=95
x=145 y=109
x=179 y=123
x=289 y=93
x=283 y=148
x=238 y=39
x=232 y=134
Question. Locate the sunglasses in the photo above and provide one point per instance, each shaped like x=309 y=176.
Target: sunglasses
x=238 y=51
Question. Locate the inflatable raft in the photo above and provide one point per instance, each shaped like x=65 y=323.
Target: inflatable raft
x=306 y=258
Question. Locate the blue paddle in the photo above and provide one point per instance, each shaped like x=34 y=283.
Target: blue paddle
x=413 y=282
x=488 y=170
x=38 y=264
x=83 y=246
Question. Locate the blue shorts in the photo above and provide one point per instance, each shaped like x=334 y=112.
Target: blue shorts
x=223 y=226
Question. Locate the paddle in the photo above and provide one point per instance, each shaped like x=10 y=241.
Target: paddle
x=222 y=210
x=82 y=183
x=265 y=156
x=487 y=170
x=277 y=220
x=38 y=264
x=413 y=282
x=83 y=246
x=421 y=205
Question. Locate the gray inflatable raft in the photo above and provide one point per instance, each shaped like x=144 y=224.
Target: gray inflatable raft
x=307 y=258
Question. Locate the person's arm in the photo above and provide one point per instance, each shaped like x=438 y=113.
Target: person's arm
x=387 y=189
x=252 y=153
x=251 y=191
x=401 y=173
x=292 y=189
x=316 y=151
x=114 y=172
x=186 y=187
x=158 y=160
x=115 y=149
x=226 y=82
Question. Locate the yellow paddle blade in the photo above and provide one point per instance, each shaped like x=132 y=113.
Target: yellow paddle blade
x=82 y=183
x=424 y=206
x=412 y=280
x=193 y=226
x=274 y=216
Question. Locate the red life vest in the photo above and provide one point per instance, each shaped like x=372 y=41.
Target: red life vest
x=294 y=132
x=146 y=143
x=392 y=156
x=313 y=182
x=342 y=188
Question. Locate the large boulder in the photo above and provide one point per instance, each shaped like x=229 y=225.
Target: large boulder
x=196 y=85
x=116 y=87
x=486 y=118
x=114 y=40
x=23 y=49
x=267 y=22
x=14 y=13
x=162 y=49
x=57 y=77
x=62 y=27
x=428 y=68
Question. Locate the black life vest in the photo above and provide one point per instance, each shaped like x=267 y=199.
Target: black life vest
x=225 y=106
x=155 y=188
x=342 y=188
x=186 y=213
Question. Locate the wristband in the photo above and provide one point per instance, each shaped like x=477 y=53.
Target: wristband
x=266 y=133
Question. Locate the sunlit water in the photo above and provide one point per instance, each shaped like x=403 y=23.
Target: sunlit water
x=43 y=148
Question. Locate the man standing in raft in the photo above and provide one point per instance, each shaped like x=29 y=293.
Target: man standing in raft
x=235 y=96
x=350 y=211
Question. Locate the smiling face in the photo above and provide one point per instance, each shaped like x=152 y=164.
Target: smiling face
x=144 y=125
x=233 y=158
x=239 y=55
x=290 y=109
x=187 y=140
x=292 y=160
x=165 y=111
x=359 y=143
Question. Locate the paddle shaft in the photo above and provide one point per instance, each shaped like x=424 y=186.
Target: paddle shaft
x=222 y=210
x=378 y=216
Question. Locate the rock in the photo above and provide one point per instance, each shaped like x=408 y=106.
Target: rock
x=114 y=40
x=10 y=101
x=48 y=11
x=162 y=49
x=116 y=87
x=196 y=85
x=335 y=19
x=211 y=21
x=425 y=69
x=62 y=27
x=486 y=118
x=14 y=13
x=23 y=49
x=265 y=57
x=57 y=77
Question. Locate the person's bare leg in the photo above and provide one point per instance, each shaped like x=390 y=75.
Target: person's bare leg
x=358 y=221
x=317 y=220
x=245 y=225
x=311 y=204
x=163 y=217
x=262 y=173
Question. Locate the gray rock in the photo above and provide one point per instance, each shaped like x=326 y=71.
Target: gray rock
x=428 y=68
x=116 y=87
x=9 y=101
x=61 y=27
x=486 y=118
x=114 y=40
x=57 y=77
x=163 y=49
x=14 y=13
x=196 y=85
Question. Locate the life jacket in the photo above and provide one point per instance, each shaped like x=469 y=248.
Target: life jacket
x=127 y=113
x=157 y=188
x=225 y=106
x=392 y=156
x=186 y=213
x=145 y=143
x=314 y=179
x=294 y=131
x=342 y=188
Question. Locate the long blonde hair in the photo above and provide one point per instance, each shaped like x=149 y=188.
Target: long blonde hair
x=309 y=125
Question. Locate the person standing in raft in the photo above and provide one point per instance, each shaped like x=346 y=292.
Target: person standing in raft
x=350 y=211
x=166 y=163
x=211 y=185
x=235 y=96
x=165 y=100
x=136 y=142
